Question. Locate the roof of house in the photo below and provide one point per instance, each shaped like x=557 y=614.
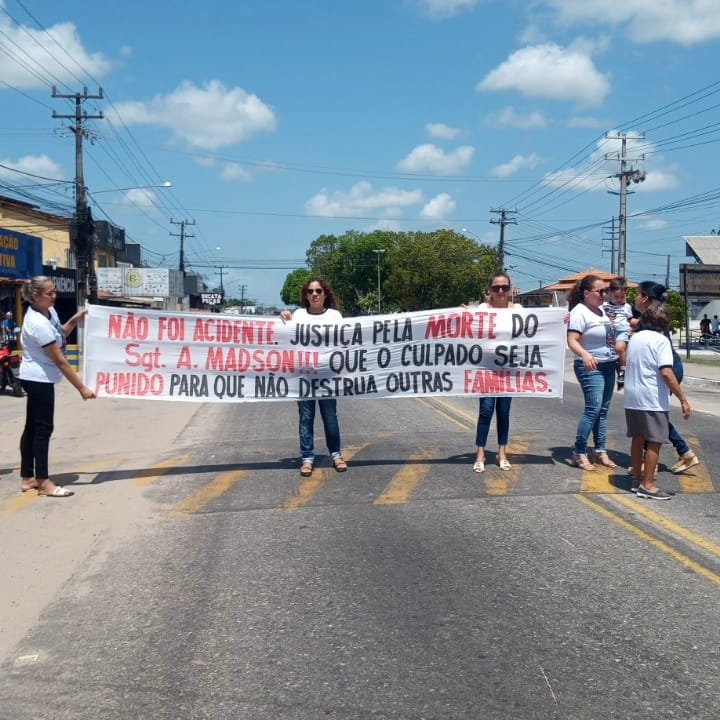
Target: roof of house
x=704 y=248
x=565 y=284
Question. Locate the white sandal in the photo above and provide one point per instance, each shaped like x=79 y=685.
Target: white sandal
x=504 y=464
x=479 y=466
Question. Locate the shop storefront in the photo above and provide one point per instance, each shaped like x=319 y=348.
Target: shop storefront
x=20 y=260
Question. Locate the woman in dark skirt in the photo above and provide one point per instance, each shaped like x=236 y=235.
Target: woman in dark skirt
x=649 y=380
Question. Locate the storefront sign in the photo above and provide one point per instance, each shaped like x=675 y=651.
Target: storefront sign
x=20 y=255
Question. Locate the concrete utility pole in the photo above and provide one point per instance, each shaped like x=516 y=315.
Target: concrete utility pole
x=219 y=271
x=242 y=289
x=502 y=222
x=182 y=235
x=612 y=237
x=379 y=286
x=82 y=231
x=625 y=175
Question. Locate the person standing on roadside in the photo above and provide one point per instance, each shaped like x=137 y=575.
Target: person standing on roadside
x=317 y=305
x=43 y=365
x=591 y=338
x=499 y=299
x=649 y=381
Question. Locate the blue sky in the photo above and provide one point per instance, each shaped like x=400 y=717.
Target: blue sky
x=280 y=121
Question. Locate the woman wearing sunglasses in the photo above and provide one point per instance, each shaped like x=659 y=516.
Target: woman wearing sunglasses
x=498 y=298
x=317 y=304
x=591 y=337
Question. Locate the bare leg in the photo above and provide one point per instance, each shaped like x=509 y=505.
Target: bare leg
x=652 y=452
x=636 y=454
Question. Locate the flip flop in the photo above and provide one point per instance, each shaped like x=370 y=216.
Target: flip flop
x=58 y=492
x=306 y=469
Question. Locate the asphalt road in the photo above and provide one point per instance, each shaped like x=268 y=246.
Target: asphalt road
x=196 y=575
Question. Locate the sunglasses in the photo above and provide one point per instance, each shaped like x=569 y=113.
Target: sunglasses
x=600 y=292
x=314 y=291
x=500 y=288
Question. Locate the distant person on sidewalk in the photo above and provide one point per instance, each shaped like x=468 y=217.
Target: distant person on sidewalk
x=705 y=327
x=317 y=304
x=649 y=382
x=715 y=325
x=649 y=293
x=43 y=365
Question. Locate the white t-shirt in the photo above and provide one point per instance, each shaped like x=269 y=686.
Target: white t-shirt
x=488 y=306
x=645 y=389
x=38 y=332
x=619 y=315
x=597 y=333
x=328 y=316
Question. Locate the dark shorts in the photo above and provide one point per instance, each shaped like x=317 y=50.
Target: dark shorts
x=653 y=425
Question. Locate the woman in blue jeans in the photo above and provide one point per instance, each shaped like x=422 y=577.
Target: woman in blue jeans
x=499 y=299
x=317 y=305
x=591 y=337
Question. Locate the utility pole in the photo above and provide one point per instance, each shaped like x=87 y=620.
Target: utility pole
x=502 y=222
x=667 y=273
x=242 y=289
x=612 y=237
x=82 y=229
x=625 y=175
x=219 y=271
x=379 y=286
x=182 y=235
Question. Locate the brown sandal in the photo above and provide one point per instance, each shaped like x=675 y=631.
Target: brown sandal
x=339 y=464
x=582 y=462
x=306 y=469
x=604 y=459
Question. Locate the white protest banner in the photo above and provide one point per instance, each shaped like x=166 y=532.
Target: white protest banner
x=210 y=357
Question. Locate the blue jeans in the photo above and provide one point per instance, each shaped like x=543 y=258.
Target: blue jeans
x=488 y=405
x=598 y=387
x=677 y=440
x=328 y=413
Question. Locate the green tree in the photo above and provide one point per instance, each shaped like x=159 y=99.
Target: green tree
x=676 y=306
x=290 y=293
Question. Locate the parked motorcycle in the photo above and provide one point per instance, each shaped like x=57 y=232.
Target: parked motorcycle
x=10 y=370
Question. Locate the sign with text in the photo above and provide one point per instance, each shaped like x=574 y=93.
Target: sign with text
x=206 y=357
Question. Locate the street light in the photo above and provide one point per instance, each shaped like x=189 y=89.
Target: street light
x=378 y=253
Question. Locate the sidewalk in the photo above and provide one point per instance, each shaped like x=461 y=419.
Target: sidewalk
x=706 y=374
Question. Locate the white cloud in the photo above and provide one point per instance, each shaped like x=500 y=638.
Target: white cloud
x=441 y=131
x=33 y=51
x=363 y=200
x=509 y=117
x=206 y=118
x=36 y=165
x=600 y=174
x=432 y=159
x=586 y=122
x=653 y=225
x=440 y=9
x=141 y=197
x=552 y=72
x=516 y=164
x=234 y=171
x=686 y=22
x=440 y=207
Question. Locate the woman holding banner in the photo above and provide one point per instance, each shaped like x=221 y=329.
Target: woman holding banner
x=498 y=298
x=591 y=337
x=43 y=365
x=317 y=304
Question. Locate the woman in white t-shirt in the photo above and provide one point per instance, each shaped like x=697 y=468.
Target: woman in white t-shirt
x=498 y=298
x=43 y=365
x=591 y=337
x=317 y=302
x=649 y=381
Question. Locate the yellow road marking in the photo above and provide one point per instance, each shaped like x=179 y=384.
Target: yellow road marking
x=471 y=419
x=404 y=482
x=18 y=502
x=669 y=525
x=203 y=497
x=309 y=487
x=502 y=482
x=683 y=559
x=162 y=468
